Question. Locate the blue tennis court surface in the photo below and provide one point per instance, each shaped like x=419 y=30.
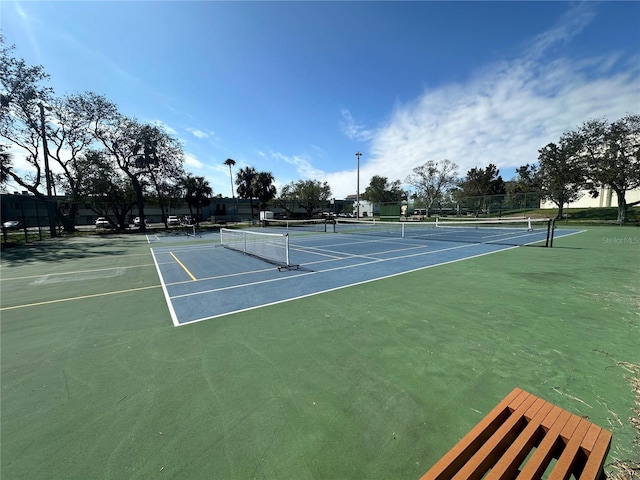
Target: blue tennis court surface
x=205 y=281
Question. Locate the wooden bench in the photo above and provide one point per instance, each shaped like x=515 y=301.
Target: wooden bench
x=519 y=438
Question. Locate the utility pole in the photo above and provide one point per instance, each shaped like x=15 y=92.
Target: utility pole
x=358 y=155
x=51 y=210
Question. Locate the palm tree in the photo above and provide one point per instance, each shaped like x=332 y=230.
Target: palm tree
x=230 y=162
x=197 y=194
x=263 y=188
x=244 y=181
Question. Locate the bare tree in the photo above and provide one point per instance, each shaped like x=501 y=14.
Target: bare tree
x=22 y=124
x=143 y=152
x=162 y=158
x=105 y=189
x=432 y=180
x=6 y=164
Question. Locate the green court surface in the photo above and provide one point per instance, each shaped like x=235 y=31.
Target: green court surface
x=372 y=381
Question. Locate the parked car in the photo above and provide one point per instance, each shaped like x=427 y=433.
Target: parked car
x=12 y=225
x=102 y=222
x=173 y=220
x=136 y=221
x=186 y=220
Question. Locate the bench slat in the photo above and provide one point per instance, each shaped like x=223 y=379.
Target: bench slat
x=593 y=467
x=497 y=447
x=493 y=448
x=539 y=461
x=564 y=465
x=508 y=465
x=465 y=448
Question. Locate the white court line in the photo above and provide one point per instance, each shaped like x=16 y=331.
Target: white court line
x=189 y=248
x=226 y=275
x=75 y=272
x=341 y=287
x=81 y=297
x=502 y=249
x=172 y=311
x=331 y=258
x=343 y=267
x=311 y=250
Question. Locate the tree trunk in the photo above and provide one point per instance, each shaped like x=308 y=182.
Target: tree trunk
x=622 y=206
x=161 y=199
x=69 y=220
x=121 y=218
x=140 y=198
x=560 y=204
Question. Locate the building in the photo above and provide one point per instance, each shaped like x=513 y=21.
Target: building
x=606 y=198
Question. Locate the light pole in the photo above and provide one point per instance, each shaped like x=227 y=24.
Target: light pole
x=45 y=148
x=358 y=155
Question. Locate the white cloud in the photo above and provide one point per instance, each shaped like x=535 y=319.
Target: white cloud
x=352 y=129
x=302 y=163
x=502 y=115
x=198 y=133
x=191 y=161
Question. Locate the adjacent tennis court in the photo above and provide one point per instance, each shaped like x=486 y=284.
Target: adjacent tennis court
x=203 y=282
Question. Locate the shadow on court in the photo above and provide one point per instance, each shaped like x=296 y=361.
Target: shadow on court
x=68 y=248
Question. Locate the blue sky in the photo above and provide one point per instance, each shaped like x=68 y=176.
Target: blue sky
x=297 y=88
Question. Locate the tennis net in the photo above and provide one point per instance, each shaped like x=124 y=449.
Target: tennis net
x=297 y=226
x=270 y=247
x=523 y=231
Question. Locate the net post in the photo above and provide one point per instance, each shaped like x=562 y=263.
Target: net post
x=529 y=228
x=437 y=225
x=286 y=249
x=551 y=228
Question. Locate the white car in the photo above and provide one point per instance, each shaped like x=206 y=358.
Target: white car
x=102 y=222
x=173 y=220
x=136 y=221
x=12 y=224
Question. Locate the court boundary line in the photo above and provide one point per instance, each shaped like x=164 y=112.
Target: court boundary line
x=342 y=287
x=81 y=297
x=74 y=272
x=176 y=323
x=167 y=298
x=370 y=261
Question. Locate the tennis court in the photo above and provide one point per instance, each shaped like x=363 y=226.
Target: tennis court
x=376 y=379
x=203 y=282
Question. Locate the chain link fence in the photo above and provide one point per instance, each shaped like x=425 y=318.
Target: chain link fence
x=509 y=204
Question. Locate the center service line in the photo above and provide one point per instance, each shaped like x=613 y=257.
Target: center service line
x=183 y=267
